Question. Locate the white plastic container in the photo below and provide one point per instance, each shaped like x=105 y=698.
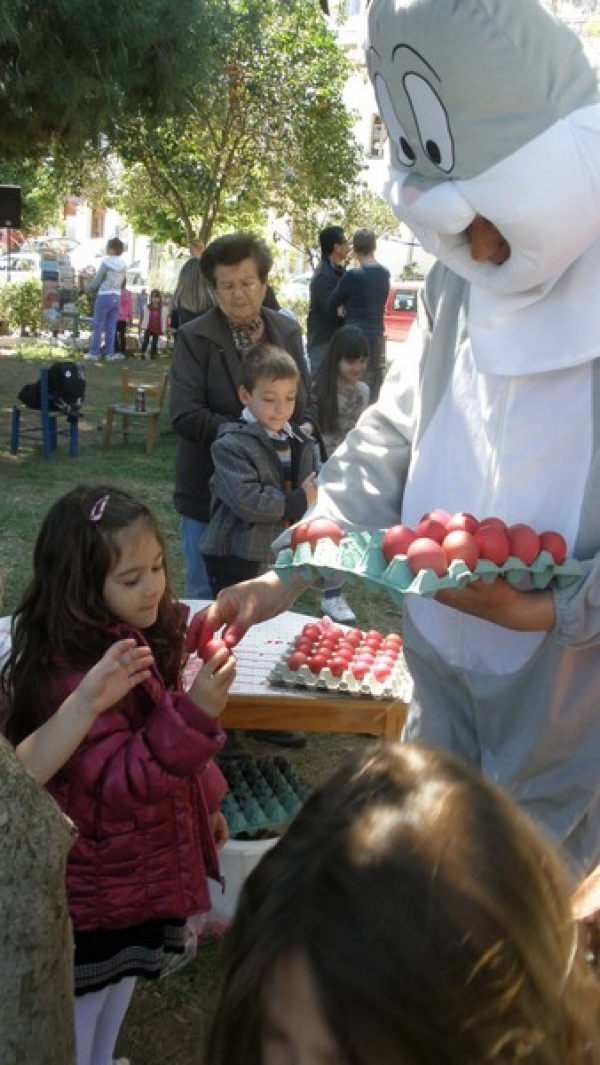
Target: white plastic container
x=237 y=859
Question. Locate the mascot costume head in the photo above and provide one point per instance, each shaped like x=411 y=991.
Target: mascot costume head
x=492 y=108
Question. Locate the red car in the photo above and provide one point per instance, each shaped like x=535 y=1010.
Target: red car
x=401 y=309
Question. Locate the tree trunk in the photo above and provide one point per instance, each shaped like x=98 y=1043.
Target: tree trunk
x=36 y=946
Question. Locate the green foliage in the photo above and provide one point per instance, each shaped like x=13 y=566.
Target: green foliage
x=298 y=307
x=68 y=69
x=411 y=273
x=89 y=172
x=361 y=208
x=270 y=130
x=40 y=194
x=21 y=306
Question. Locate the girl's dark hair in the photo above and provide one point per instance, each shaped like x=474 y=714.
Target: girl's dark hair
x=266 y=361
x=155 y=294
x=232 y=249
x=433 y=918
x=348 y=342
x=63 y=611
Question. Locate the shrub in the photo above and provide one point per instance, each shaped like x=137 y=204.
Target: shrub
x=299 y=307
x=21 y=306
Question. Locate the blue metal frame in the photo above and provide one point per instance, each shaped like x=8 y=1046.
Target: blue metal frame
x=48 y=430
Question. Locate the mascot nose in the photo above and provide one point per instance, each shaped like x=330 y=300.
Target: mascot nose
x=410 y=194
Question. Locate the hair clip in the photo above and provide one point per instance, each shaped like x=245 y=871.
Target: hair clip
x=98 y=508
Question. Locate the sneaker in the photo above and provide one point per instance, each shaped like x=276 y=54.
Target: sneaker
x=233 y=748
x=278 y=738
x=91 y=358
x=337 y=609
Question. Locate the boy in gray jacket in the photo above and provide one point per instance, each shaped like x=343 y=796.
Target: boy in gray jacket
x=265 y=471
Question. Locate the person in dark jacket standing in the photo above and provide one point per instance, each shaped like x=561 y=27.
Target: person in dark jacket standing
x=205 y=377
x=362 y=292
x=322 y=322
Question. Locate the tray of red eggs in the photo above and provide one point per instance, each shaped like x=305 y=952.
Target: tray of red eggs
x=345 y=661
x=441 y=551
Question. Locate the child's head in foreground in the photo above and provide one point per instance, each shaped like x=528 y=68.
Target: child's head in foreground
x=411 y=915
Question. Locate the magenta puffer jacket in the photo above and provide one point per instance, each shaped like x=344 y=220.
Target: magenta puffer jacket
x=139 y=790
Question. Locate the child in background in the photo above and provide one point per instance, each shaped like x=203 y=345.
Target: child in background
x=154 y=323
x=340 y=397
x=106 y=285
x=141 y=789
x=411 y=913
x=125 y=318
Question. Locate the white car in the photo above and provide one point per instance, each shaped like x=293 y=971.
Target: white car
x=295 y=288
x=20 y=266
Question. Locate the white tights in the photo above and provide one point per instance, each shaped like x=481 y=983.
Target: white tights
x=98 y=1019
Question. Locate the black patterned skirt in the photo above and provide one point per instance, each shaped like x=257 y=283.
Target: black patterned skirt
x=108 y=955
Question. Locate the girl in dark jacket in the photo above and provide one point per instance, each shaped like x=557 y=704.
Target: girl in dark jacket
x=141 y=789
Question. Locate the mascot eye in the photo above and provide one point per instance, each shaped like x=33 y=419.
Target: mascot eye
x=432 y=122
x=406 y=153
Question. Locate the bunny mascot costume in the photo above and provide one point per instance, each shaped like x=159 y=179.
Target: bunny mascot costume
x=493 y=111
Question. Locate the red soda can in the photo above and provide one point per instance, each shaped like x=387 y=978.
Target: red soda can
x=140 y=399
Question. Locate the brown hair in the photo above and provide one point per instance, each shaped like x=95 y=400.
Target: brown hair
x=432 y=915
x=364 y=242
x=266 y=362
x=115 y=245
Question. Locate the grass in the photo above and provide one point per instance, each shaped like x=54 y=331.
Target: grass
x=166 y=1020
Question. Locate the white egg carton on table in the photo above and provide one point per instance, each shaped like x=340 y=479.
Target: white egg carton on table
x=397 y=685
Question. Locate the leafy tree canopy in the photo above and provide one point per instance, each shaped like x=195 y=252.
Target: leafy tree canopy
x=70 y=70
x=361 y=208
x=45 y=182
x=269 y=131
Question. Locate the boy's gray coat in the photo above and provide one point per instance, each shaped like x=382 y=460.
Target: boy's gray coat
x=250 y=504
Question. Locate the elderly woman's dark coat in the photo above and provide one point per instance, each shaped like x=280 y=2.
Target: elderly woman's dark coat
x=204 y=384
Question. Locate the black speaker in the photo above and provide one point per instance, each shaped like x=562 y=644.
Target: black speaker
x=10 y=206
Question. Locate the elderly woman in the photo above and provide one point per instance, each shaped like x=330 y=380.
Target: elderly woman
x=204 y=377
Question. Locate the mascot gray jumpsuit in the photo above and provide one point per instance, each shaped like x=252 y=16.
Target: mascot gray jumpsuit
x=492 y=109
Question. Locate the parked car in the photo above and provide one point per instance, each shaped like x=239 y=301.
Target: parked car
x=21 y=266
x=295 y=288
x=401 y=309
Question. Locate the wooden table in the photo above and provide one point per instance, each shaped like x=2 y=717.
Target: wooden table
x=254 y=704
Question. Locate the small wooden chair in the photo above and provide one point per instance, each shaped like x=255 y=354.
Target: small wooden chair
x=155 y=390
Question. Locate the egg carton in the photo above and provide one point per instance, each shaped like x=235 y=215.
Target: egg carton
x=359 y=557
x=264 y=795
x=396 y=686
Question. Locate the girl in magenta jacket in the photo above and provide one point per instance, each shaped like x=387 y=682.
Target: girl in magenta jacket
x=141 y=789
